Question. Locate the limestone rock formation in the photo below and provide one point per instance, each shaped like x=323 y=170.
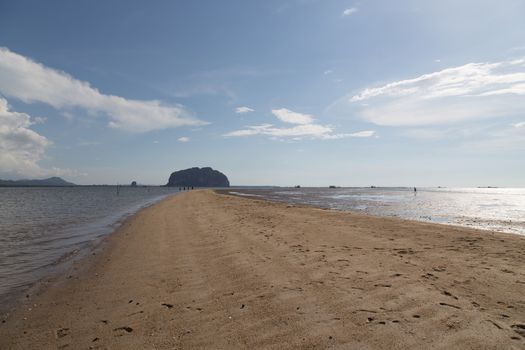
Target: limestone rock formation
x=198 y=177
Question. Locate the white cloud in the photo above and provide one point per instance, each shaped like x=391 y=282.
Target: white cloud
x=349 y=11
x=519 y=125
x=328 y=71
x=366 y=133
x=20 y=147
x=305 y=127
x=289 y=116
x=466 y=93
x=312 y=130
x=196 y=89
x=183 y=139
x=29 y=81
x=243 y=110
x=359 y=134
x=39 y=120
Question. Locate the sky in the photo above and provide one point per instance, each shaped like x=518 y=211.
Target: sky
x=309 y=92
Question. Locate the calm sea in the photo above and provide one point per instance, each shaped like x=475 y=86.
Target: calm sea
x=42 y=227
x=497 y=209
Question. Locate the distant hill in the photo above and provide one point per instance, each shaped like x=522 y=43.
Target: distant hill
x=50 y=182
x=198 y=177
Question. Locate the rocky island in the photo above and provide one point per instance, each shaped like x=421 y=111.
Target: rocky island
x=198 y=177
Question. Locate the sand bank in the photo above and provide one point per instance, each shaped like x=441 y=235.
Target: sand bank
x=205 y=270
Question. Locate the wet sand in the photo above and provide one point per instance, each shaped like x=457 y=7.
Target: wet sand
x=208 y=270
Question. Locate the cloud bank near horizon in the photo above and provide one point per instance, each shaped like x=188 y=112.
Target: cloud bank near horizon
x=29 y=81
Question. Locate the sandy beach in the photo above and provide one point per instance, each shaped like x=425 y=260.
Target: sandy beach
x=209 y=270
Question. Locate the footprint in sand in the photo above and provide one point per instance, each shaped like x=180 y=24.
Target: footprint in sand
x=127 y=329
x=62 y=332
x=448 y=294
x=450 y=305
x=430 y=276
x=495 y=324
x=519 y=328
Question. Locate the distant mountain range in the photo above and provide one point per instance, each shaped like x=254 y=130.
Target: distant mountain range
x=50 y=182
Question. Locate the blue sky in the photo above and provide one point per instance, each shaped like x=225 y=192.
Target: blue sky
x=310 y=92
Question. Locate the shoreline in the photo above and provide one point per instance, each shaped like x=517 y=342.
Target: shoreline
x=423 y=219
x=206 y=269
x=68 y=260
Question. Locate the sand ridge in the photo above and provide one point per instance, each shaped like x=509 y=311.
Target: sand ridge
x=208 y=270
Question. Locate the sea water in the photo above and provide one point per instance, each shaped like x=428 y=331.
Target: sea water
x=42 y=227
x=496 y=209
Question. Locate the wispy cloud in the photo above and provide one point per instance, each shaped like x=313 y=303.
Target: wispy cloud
x=218 y=82
x=366 y=133
x=349 y=11
x=519 y=125
x=313 y=130
x=470 y=92
x=305 y=126
x=243 y=110
x=292 y=117
x=198 y=88
x=29 y=81
x=183 y=139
